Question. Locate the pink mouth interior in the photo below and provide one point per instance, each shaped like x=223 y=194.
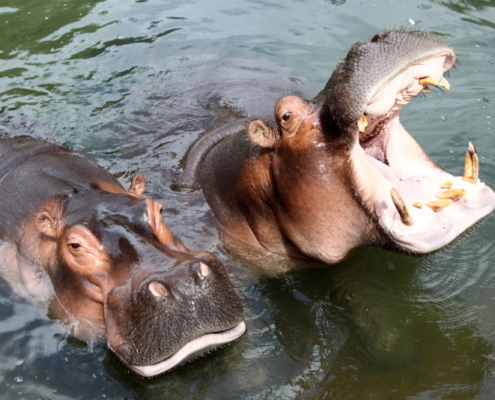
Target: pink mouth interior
x=390 y=158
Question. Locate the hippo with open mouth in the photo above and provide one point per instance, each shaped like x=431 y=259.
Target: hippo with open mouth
x=340 y=171
x=107 y=260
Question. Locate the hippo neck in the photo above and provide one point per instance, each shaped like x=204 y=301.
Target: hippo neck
x=321 y=186
x=261 y=208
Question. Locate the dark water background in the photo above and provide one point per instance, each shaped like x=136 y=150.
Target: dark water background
x=133 y=83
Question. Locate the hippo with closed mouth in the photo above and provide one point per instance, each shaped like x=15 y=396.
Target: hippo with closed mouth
x=107 y=260
x=340 y=171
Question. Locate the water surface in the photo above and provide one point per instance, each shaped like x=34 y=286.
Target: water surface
x=133 y=83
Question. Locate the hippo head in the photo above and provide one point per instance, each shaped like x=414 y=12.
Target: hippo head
x=113 y=261
x=346 y=171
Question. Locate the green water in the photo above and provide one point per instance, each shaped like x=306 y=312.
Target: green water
x=133 y=83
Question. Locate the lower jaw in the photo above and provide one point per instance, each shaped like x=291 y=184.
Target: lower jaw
x=192 y=350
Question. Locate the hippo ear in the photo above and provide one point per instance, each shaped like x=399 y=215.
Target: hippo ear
x=261 y=134
x=138 y=185
x=46 y=223
x=160 y=229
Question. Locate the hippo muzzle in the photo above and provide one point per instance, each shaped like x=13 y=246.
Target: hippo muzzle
x=184 y=313
x=419 y=206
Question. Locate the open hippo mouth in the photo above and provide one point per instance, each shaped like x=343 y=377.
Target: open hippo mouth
x=192 y=350
x=418 y=204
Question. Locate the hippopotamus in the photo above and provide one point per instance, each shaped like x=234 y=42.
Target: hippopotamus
x=108 y=261
x=328 y=175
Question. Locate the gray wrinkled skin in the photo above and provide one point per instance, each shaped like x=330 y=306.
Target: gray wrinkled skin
x=368 y=67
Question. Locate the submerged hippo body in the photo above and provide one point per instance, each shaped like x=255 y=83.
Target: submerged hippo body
x=107 y=257
x=340 y=171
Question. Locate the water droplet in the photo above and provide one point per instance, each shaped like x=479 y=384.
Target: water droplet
x=390 y=265
x=18 y=379
x=444 y=118
x=119 y=37
x=412 y=22
x=366 y=308
x=20 y=362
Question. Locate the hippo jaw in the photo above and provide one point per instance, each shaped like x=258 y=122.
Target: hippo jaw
x=418 y=205
x=192 y=350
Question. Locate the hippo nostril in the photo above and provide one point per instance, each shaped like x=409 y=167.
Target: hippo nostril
x=157 y=289
x=204 y=270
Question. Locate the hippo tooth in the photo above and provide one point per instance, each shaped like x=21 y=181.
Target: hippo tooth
x=401 y=208
x=452 y=194
x=426 y=89
x=399 y=97
x=471 y=165
x=438 y=204
x=446 y=185
x=362 y=123
x=418 y=204
x=428 y=81
x=445 y=83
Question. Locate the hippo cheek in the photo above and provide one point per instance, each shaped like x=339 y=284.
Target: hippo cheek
x=172 y=318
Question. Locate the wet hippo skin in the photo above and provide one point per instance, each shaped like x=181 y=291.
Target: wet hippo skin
x=340 y=171
x=105 y=258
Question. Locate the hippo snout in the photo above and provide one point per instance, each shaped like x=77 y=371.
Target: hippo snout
x=189 y=309
x=161 y=289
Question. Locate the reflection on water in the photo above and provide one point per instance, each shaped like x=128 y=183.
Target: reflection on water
x=133 y=84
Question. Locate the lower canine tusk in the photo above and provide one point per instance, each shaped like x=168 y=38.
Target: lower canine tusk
x=471 y=165
x=452 y=194
x=401 y=208
x=438 y=204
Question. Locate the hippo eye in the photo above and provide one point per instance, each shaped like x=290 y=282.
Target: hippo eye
x=286 y=116
x=74 y=245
